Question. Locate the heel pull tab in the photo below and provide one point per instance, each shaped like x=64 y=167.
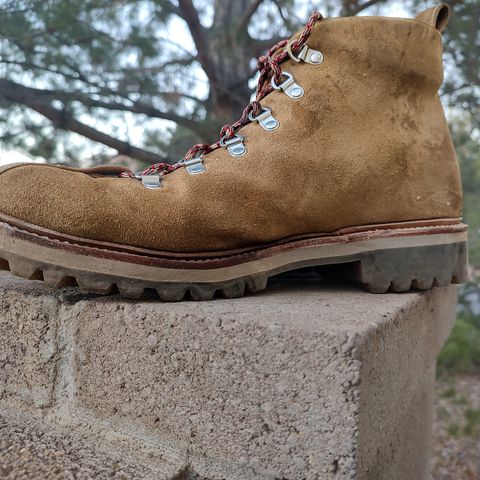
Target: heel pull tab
x=437 y=16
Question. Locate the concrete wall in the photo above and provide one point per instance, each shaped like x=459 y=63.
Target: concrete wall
x=304 y=381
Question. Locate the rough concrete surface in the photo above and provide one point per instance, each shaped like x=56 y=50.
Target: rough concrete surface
x=27 y=350
x=304 y=381
x=28 y=451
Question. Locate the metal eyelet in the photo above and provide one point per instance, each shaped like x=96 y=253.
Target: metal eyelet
x=265 y=119
x=292 y=89
x=308 y=55
x=150 y=181
x=234 y=145
x=194 y=166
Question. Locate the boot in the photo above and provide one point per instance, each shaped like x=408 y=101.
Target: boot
x=345 y=157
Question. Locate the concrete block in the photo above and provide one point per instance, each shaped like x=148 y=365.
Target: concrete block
x=28 y=349
x=303 y=381
x=31 y=450
x=296 y=383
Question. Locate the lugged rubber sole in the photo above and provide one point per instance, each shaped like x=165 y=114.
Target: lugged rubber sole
x=395 y=257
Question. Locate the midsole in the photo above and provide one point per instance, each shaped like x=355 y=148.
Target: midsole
x=394 y=228
x=15 y=242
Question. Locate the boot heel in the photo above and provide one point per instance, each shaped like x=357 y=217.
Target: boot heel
x=400 y=269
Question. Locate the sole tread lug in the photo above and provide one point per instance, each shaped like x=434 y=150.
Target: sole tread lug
x=378 y=287
x=58 y=279
x=442 y=280
x=25 y=269
x=171 y=293
x=401 y=285
x=256 y=284
x=201 y=293
x=131 y=289
x=423 y=283
x=236 y=290
x=93 y=284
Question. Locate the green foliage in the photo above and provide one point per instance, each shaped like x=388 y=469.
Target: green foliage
x=462 y=350
x=457 y=412
x=454 y=429
x=472 y=417
x=449 y=392
x=466 y=136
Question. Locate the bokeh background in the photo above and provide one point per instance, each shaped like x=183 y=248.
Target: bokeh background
x=140 y=81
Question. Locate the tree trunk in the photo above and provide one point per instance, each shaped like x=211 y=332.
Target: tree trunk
x=231 y=52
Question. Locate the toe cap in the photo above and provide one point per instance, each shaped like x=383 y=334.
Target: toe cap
x=55 y=198
x=88 y=205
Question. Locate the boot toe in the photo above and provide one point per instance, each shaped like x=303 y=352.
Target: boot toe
x=97 y=207
x=19 y=196
x=47 y=197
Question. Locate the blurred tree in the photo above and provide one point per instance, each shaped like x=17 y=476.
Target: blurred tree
x=461 y=94
x=100 y=68
x=466 y=136
x=462 y=84
x=461 y=88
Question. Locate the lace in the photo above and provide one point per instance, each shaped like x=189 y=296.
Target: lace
x=269 y=67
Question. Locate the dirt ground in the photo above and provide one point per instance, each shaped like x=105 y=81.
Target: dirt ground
x=457 y=430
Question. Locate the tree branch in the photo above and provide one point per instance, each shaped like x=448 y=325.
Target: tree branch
x=135 y=107
x=34 y=66
x=63 y=120
x=362 y=7
x=291 y=25
x=249 y=14
x=141 y=108
x=260 y=47
x=190 y=15
x=122 y=70
x=171 y=8
x=76 y=75
x=182 y=62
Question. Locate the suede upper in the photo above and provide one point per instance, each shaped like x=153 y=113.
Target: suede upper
x=367 y=144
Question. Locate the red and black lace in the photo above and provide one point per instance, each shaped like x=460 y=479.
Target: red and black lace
x=269 y=67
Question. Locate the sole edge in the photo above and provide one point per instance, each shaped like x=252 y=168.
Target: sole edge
x=410 y=261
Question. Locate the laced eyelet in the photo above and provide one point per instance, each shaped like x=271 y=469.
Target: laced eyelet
x=308 y=55
x=265 y=119
x=234 y=145
x=151 y=182
x=194 y=166
x=268 y=65
x=292 y=89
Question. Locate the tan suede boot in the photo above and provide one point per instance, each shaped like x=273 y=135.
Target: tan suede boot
x=344 y=158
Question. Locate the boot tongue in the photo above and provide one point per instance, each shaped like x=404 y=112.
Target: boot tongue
x=102 y=170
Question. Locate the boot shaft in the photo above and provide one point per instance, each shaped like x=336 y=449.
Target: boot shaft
x=392 y=55
x=371 y=122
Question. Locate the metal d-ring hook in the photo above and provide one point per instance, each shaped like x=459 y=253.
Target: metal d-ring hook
x=308 y=55
x=292 y=89
x=234 y=145
x=265 y=119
